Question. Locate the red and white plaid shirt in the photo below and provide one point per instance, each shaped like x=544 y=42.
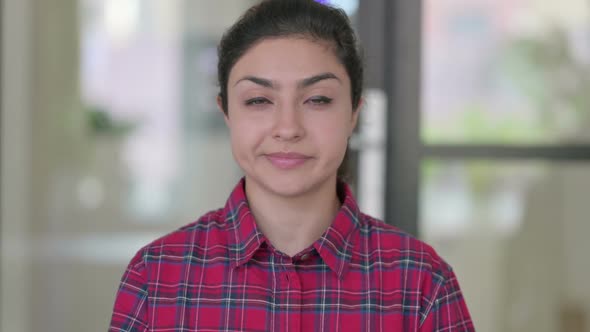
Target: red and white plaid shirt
x=221 y=274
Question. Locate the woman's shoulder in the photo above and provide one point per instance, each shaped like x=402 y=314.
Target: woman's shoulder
x=207 y=231
x=390 y=243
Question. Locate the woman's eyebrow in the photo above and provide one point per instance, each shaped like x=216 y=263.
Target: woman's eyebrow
x=258 y=80
x=316 y=78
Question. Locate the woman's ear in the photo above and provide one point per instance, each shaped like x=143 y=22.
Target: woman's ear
x=355 y=114
x=220 y=108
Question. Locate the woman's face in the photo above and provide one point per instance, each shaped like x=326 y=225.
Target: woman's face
x=289 y=115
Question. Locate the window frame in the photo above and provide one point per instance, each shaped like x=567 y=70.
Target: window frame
x=392 y=30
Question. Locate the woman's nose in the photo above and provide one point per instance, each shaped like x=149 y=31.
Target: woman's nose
x=288 y=125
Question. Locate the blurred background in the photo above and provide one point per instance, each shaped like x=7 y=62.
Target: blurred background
x=475 y=138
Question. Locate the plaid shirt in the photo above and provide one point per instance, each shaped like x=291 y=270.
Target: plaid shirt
x=221 y=274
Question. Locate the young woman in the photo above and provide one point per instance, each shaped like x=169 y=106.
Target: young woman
x=290 y=251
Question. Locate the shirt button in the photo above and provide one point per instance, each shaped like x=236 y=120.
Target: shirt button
x=304 y=257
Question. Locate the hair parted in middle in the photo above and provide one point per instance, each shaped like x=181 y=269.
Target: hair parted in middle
x=292 y=18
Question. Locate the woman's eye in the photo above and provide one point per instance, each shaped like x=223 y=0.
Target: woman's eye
x=320 y=100
x=257 y=101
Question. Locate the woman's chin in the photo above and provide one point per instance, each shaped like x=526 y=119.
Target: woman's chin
x=286 y=185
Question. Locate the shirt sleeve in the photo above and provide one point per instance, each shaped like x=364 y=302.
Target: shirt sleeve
x=130 y=309
x=448 y=312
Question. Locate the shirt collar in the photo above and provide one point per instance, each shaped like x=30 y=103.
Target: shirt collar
x=334 y=246
x=244 y=238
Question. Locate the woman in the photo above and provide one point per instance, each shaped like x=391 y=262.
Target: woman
x=290 y=251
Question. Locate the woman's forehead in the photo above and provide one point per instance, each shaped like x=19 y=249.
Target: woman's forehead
x=288 y=60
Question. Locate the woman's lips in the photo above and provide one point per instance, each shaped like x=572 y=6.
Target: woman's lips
x=287 y=160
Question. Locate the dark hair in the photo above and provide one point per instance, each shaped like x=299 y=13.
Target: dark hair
x=298 y=18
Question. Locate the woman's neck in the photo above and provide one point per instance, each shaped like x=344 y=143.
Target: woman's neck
x=292 y=224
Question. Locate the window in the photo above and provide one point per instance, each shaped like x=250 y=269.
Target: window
x=488 y=149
